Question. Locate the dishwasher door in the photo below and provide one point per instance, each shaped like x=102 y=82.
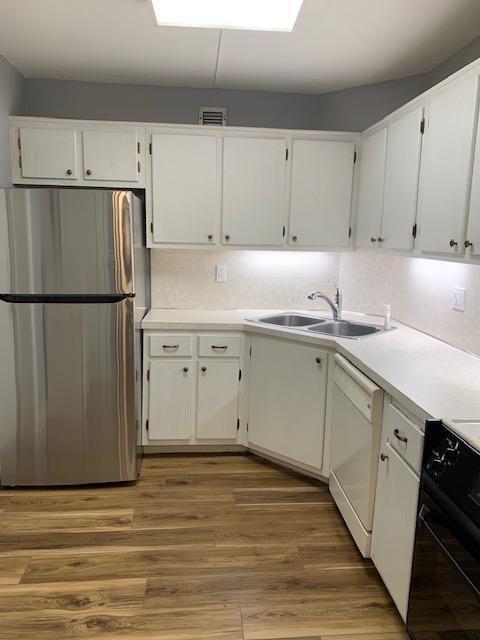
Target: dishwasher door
x=356 y=429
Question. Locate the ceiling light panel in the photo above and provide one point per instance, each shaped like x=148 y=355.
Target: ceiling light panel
x=261 y=15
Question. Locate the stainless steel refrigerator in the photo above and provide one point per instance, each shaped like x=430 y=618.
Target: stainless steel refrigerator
x=70 y=356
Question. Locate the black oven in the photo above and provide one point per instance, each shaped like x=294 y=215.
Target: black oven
x=444 y=599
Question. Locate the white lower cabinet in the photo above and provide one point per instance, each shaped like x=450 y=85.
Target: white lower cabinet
x=287 y=398
x=192 y=388
x=217 y=404
x=170 y=400
x=396 y=503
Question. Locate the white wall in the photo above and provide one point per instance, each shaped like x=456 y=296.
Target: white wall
x=419 y=291
x=255 y=279
x=11 y=88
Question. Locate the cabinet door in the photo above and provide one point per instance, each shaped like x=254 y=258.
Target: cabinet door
x=287 y=399
x=217 y=404
x=170 y=400
x=253 y=191
x=472 y=243
x=111 y=155
x=321 y=195
x=370 y=193
x=48 y=153
x=184 y=184
x=394 y=525
x=446 y=168
x=401 y=181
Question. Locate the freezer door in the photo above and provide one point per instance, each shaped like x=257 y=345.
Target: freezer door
x=67 y=393
x=66 y=242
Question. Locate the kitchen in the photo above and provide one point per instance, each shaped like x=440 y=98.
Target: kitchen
x=239 y=297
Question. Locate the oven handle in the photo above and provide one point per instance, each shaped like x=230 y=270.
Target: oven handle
x=423 y=515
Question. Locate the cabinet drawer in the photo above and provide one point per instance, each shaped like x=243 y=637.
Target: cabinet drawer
x=168 y=345
x=404 y=436
x=226 y=346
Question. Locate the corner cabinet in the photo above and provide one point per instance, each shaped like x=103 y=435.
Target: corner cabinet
x=72 y=153
x=287 y=400
x=192 y=385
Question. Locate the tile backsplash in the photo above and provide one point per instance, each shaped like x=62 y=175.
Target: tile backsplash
x=255 y=279
x=419 y=290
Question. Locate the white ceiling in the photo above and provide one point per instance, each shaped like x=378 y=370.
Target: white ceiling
x=335 y=44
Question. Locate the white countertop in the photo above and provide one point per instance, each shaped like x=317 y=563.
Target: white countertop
x=428 y=376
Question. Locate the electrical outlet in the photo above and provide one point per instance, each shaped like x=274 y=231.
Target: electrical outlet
x=221 y=273
x=458 y=298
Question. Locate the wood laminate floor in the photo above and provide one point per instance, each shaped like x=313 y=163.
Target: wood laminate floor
x=201 y=548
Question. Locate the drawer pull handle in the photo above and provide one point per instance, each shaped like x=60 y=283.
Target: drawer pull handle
x=397 y=435
x=219 y=348
x=383 y=457
x=171 y=346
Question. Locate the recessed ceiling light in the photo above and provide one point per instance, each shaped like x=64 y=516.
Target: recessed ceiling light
x=263 y=15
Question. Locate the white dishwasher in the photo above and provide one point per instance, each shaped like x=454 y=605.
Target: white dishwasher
x=357 y=409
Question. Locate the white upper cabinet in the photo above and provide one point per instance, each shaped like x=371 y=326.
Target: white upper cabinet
x=112 y=155
x=371 y=183
x=48 y=154
x=401 y=181
x=446 y=168
x=253 y=202
x=472 y=241
x=185 y=196
x=321 y=193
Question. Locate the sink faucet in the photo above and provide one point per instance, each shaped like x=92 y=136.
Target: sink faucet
x=336 y=306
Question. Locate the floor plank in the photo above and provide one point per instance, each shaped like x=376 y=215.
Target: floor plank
x=72 y=596
x=108 y=520
x=12 y=569
x=219 y=623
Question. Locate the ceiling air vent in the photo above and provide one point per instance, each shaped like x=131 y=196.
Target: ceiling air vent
x=213 y=116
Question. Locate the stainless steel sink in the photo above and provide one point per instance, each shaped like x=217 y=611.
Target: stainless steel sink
x=290 y=320
x=345 y=329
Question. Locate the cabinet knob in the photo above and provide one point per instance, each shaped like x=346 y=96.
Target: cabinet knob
x=69 y=172
x=380 y=239
x=453 y=243
x=185 y=369
x=88 y=172
x=383 y=457
x=318 y=360
x=294 y=238
x=372 y=239
x=227 y=236
x=204 y=369
x=210 y=236
x=468 y=244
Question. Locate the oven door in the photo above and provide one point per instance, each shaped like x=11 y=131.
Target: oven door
x=444 y=595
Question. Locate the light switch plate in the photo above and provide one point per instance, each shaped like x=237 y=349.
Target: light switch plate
x=221 y=273
x=458 y=299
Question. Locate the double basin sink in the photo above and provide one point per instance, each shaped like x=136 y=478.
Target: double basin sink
x=339 y=328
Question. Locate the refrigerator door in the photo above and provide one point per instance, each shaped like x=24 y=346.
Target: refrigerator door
x=67 y=393
x=66 y=242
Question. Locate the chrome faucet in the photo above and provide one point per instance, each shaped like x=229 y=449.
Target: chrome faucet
x=336 y=306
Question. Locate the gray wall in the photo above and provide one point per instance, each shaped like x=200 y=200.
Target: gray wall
x=348 y=110
x=460 y=59
x=11 y=88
